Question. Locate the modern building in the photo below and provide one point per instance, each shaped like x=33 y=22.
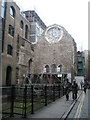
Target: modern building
x=80 y=64
x=86 y=54
x=17 y=52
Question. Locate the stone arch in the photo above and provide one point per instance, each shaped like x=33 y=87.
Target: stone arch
x=8 y=75
x=26 y=32
x=53 y=68
x=12 y=11
x=21 y=24
x=29 y=65
x=59 y=68
x=47 y=68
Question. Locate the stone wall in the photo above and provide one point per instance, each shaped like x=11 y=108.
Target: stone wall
x=61 y=53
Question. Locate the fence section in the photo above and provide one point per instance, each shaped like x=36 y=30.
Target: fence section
x=6 y=102
x=26 y=100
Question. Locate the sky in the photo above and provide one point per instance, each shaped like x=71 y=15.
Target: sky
x=70 y=14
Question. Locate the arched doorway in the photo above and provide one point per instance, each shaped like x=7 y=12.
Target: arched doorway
x=8 y=76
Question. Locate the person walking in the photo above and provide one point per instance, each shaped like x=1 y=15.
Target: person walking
x=81 y=83
x=74 y=90
x=85 y=87
x=67 y=89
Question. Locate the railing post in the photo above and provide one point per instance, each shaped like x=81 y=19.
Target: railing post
x=54 y=92
x=32 y=100
x=25 y=101
x=45 y=95
x=12 y=100
x=59 y=91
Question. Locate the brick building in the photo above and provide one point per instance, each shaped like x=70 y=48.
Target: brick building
x=30 y=47
x=16 y=43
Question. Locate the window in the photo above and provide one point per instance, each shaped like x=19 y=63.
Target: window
x=53 y=68
x=59 y=68
x=21 y=24
x=26 y=31
x=29 y=66
x=11 y=30
x=47 y=68
x=12 y=11
x=9 y=50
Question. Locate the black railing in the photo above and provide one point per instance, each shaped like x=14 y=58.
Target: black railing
x=26 y=100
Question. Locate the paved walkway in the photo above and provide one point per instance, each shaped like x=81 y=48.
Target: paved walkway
x=56 y=110
x=85 y=111
x=81 y=109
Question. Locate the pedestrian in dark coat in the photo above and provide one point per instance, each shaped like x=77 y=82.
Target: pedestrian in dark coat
x=67 y=89
x=85 y=87
x=74 y=90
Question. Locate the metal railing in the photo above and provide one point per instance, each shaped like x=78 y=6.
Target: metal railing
x=26 y=100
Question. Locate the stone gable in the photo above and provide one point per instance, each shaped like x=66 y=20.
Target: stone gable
x=60 y=53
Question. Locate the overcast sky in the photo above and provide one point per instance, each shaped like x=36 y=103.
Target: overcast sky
x=71 y=14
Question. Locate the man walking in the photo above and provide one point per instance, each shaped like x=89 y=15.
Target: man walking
x=67 y=89
x=74 y=89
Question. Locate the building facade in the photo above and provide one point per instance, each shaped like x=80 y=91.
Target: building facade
x=88 y=78
x=55 y=50
x=86 y=54
x=80 y=65
x=30 y=47
x=36 y=24
x=16 y=44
